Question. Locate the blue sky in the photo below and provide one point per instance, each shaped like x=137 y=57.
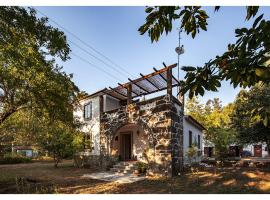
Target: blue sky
x=113 y=32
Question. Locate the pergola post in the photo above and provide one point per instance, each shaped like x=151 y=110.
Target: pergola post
x=169 y=83
x=129 y=94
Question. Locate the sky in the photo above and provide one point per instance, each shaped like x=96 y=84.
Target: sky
x=113 y=32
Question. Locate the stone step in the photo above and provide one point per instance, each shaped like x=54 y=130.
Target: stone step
x=123 y=167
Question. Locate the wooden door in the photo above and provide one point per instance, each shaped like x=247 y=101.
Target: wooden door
x=258 y=150
x=126 y=146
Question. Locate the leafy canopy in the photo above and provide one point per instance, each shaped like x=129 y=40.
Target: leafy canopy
x=245 y=63
x=29 y=75
x=251 y=116
x=217 y=120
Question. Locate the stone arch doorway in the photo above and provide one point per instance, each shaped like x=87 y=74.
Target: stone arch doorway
x=130 y=142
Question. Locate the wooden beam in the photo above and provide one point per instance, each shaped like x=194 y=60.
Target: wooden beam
x=126 y=88
x=107 y=93
x=169 y=83
x=153 y=74
x=118 y=92
x=129 y=94
x=160 y=74
x=150 y=81
x=138 y=85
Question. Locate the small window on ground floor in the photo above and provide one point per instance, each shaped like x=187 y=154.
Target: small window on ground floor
x=190 y=138
x=88 y=141
x=199 y=142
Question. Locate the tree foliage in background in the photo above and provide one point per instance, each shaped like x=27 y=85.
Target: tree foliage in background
x=29 y=76
x=217 y=120
x=245 y=63
x=251 y=115
x=60 y=140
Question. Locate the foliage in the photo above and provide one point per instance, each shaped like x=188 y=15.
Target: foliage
x=251 y=116
x=141 y=167
x=14 y=159
x=29 y=76
x=217 y=120
x=58 y=139
x=192 y=153
x=245 y=63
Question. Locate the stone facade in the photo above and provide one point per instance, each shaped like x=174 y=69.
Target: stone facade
x=161 y=119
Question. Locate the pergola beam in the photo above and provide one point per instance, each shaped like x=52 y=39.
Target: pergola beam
x=138 y=85
x=150 y=81
x=161 y=75
x=127 y=87
x=118 y=92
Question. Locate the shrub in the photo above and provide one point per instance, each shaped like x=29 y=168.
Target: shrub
x=141 y=167
x=14 y=159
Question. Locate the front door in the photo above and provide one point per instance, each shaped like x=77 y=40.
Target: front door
x=126 y=146
x=258 y=150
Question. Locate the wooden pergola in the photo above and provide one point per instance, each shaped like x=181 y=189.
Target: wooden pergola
x=147 y=84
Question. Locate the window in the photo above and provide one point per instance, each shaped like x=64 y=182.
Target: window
x=199 y=142
x=190 y=138
x=88 y=111
x=88 y=143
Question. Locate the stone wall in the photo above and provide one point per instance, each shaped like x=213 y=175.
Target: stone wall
x=161 y=119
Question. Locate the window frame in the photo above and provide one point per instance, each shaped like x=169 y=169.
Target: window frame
x=199 y=141
x=85 y=112
x=190 y=138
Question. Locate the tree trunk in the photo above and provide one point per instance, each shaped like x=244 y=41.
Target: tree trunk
x=56 y=160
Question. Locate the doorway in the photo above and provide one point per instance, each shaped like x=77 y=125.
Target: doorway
x=126 y=146
x=257 y=150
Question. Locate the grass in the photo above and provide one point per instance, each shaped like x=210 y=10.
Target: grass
x=42 y=177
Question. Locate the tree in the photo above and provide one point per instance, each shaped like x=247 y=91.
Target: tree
x=29 y=76
x=217 y=120
x=245 y=63
x=252 y=115
x=60 y=141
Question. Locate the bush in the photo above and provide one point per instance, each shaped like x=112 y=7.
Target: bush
x=14 y=159
x=141 y=167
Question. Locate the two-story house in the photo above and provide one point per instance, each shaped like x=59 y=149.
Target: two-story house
x=120 y=124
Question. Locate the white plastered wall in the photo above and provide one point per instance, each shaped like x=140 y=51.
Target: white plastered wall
x=188 y=126
x=90 y=126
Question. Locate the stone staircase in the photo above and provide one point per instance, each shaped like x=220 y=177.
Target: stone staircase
x=124 y=167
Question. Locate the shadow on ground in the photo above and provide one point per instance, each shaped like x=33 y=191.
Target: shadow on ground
x=43 y=178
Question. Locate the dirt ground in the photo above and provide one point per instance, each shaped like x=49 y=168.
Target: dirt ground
x=42 y=177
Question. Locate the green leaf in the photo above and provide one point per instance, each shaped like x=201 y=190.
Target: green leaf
x=188 y=68
x=265 y=121
x=257 y=21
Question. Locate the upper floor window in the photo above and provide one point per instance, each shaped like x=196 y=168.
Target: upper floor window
x=199 y=142
x=190 y=138
x=87 y=111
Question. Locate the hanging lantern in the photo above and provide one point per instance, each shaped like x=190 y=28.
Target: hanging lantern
x=180 y=50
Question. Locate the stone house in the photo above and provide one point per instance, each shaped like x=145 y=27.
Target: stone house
x=120 y=126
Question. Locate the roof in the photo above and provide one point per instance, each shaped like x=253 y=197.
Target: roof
x=194 y=122
x=146 y=84
x=23 y=147
x=98 y=93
